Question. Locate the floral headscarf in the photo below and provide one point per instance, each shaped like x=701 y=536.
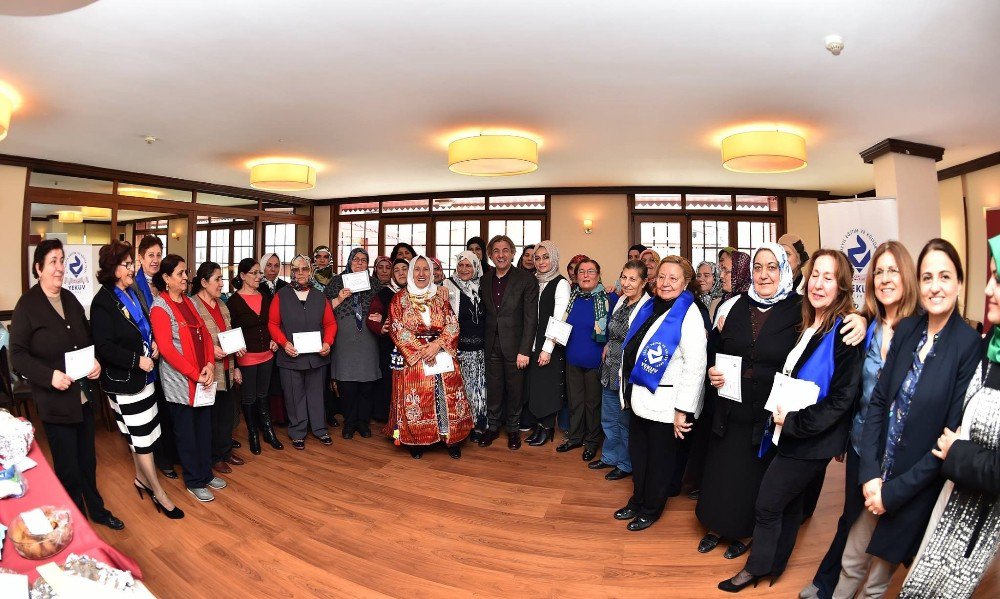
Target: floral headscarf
x=740 y=275
x=716 y=290
x=785 y=284
x=470 y=288
x=420 y=298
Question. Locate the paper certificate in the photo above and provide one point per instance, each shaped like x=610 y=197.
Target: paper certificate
x=792 y=394
x=80 y=363
x=232 y=341
x=558 y=331
x=205 y=396
x=357 y=281
x=308 y=343
x=442 y=364
x=730 y=367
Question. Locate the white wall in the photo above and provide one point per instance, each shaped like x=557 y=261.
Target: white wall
x=12 y=181
x=608 y=244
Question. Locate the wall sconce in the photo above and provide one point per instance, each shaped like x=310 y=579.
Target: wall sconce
x=588 y=226
x=175 y=235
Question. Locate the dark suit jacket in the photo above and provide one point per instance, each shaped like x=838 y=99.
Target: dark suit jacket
x=118 y=344
x=912 y=489
x=518 y=316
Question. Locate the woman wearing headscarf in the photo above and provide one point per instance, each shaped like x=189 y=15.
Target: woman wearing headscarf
x=438 y=271
x=383 y=269
x=734 y=269
x=477 y=245
x=354 y=358
x=389 y=359
x=710 y=285
x=962 y=537
x=270 y=268
x=463 y=294
x=651 y=259
x=545 y=382
x=425 y=408
x=270 y=284
x=527 y=259
x=571 y=268
x=662 y=375
x=810 y=435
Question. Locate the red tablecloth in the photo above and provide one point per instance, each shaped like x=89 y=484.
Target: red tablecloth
x=44 y=489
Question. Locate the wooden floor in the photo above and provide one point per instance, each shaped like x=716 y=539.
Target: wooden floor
x=363 y=519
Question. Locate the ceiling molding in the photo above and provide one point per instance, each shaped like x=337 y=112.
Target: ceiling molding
x=899 y=146
x=971 y=166
x=71 y=169
x=590 y=190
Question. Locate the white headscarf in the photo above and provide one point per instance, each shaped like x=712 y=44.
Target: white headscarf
x=417 y=295
x=553 y=271
x=784 y=269
x=468 y=288
x=262 y=263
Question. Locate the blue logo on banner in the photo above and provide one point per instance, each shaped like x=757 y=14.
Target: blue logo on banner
x=859 y=255
x=76 y=265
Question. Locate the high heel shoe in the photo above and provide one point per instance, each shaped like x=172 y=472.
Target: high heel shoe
x=139 y=488
x=174 y=514
x=732 y=587
x=544 y=436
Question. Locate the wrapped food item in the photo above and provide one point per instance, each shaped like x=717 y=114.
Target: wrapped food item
x=16 y=436
x=41 y=536
x=12 y=483
x=86 y=567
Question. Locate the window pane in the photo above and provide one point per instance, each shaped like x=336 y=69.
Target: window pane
x=220 y=200
x=69 y=183
x=707 y=238
x=757 y=203
x=414 y=234
x=529 y=202
x=663 y=237
x=752 y=234
x=279 y=238
x=158 y=193
x=521 y=231
x=451 y=236
x=658 y=201
x=200 y=247
x=352 y=234
x=708 y=202
x=453 y=204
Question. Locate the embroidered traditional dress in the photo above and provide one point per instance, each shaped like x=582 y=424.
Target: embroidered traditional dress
x=426 y=409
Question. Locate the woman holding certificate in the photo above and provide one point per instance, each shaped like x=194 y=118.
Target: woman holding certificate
x=48 y=323
x=248 y=312
x=919 y=394
x=123 y=342
x=545 y=382
x=187 y=372
x=812 y=403
x=301 y=322
x=354 y=361
x=207 y=291
x=428 y=399
x=662 y=378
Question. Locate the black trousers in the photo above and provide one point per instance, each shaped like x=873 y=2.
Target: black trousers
x=223 y=413
x=698 y=445
x=652 y=448
x=778 y=512
x=193 y=430
x=583 y=392
x=854 y=503
x=256 y=383
x=75 y=462
x=356 y=399
x=504 y=389
x=812 y=494
x=165 y=448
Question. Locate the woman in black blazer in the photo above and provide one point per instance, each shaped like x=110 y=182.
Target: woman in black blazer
x=49 y=321
x=123 y=342
x=812 y=435
x=920 y=392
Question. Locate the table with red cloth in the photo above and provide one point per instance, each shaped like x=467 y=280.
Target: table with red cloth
x=45 y=489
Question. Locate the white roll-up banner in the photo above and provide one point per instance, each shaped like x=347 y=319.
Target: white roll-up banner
x=856 y=227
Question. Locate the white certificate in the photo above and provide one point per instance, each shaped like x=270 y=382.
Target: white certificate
x=205 y=396
x=308 y=343
x=442 y=364
x=232 y=341
x=357 y=281
x=730 y=367
x=792 y=394
x=80 y=363
x=558 y=331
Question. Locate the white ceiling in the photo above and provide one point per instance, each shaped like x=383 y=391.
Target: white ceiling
x=621 y=93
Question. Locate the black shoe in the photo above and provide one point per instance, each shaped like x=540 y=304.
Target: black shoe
x=626 y=513
x=728 y=585
x=488 y=438
x=326 y=440
x=736 y=549
x=544 y=436
x=455 y=452
x=534 y=435
x=708 y=543
x=347 y=433
x=475 y=435
x=416 y=452
x=598 y=465
x=266 y=428
x=250 y=416
x=640 y=523
x=169 y=473
x=695 y=495
x=514 y=441
x=365 y=431
x=617 y=474
x=299 y=444
x=332 y=422
x=111 y=522
x=567 y=446
x=237 y=444
x=589 y=454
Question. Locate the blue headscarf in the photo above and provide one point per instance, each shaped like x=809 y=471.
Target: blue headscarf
x=785 y=287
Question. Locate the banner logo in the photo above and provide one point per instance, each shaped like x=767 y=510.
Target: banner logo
x=857 y=245
x=79 y=279
x=655 y=354
x=76 y=264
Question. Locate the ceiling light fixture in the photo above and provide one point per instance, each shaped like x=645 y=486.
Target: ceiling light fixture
x=93 y=212
x=70 y=217
x=493 y=155
x=282 y=176
x=764 y=152
x=10 y=101
x=138 y=192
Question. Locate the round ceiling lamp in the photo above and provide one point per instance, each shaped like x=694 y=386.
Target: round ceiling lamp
x=493 y=155
x=6 y=110
x=764 y=152
x=282 y=176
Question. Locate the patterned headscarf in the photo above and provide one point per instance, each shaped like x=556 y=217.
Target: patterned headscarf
x=375 y=267
x=359 y=303
x=310 y=283
x=576 y=260
x=420 y=297
x=785 y=283
x=350 y=258
x=993 y=350
x=716 y=290
x=740 y=276
x=470 y=288
x=392 y=280
x=553 y=271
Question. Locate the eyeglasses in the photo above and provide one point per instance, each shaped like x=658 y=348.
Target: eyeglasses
x=887 y=274
x=128 y=265
x=254 y=273
x=589 y=271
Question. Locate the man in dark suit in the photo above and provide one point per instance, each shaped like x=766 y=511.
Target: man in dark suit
x=511 y=299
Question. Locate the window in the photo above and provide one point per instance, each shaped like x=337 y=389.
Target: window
x=413 y=233
x=358 y=233
x=658 y=201
x=754 y=233
x=707 y=238
x=149 y=227
x=663 y=237
x=535 y=202
x=521 y=232
x=279 y=238
x=450 y=237
x=224 y=244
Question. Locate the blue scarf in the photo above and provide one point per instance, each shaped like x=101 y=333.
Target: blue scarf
x=654 y=357
x=818 y=369
x=143 y=284
x=131 y=303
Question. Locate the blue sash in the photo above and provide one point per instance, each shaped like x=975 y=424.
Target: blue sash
x=143 y=285
x=654 y=357
x=818 y=369
x=131 y=303
x=870 y=334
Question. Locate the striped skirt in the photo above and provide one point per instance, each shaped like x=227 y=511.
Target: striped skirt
x=138 y=418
